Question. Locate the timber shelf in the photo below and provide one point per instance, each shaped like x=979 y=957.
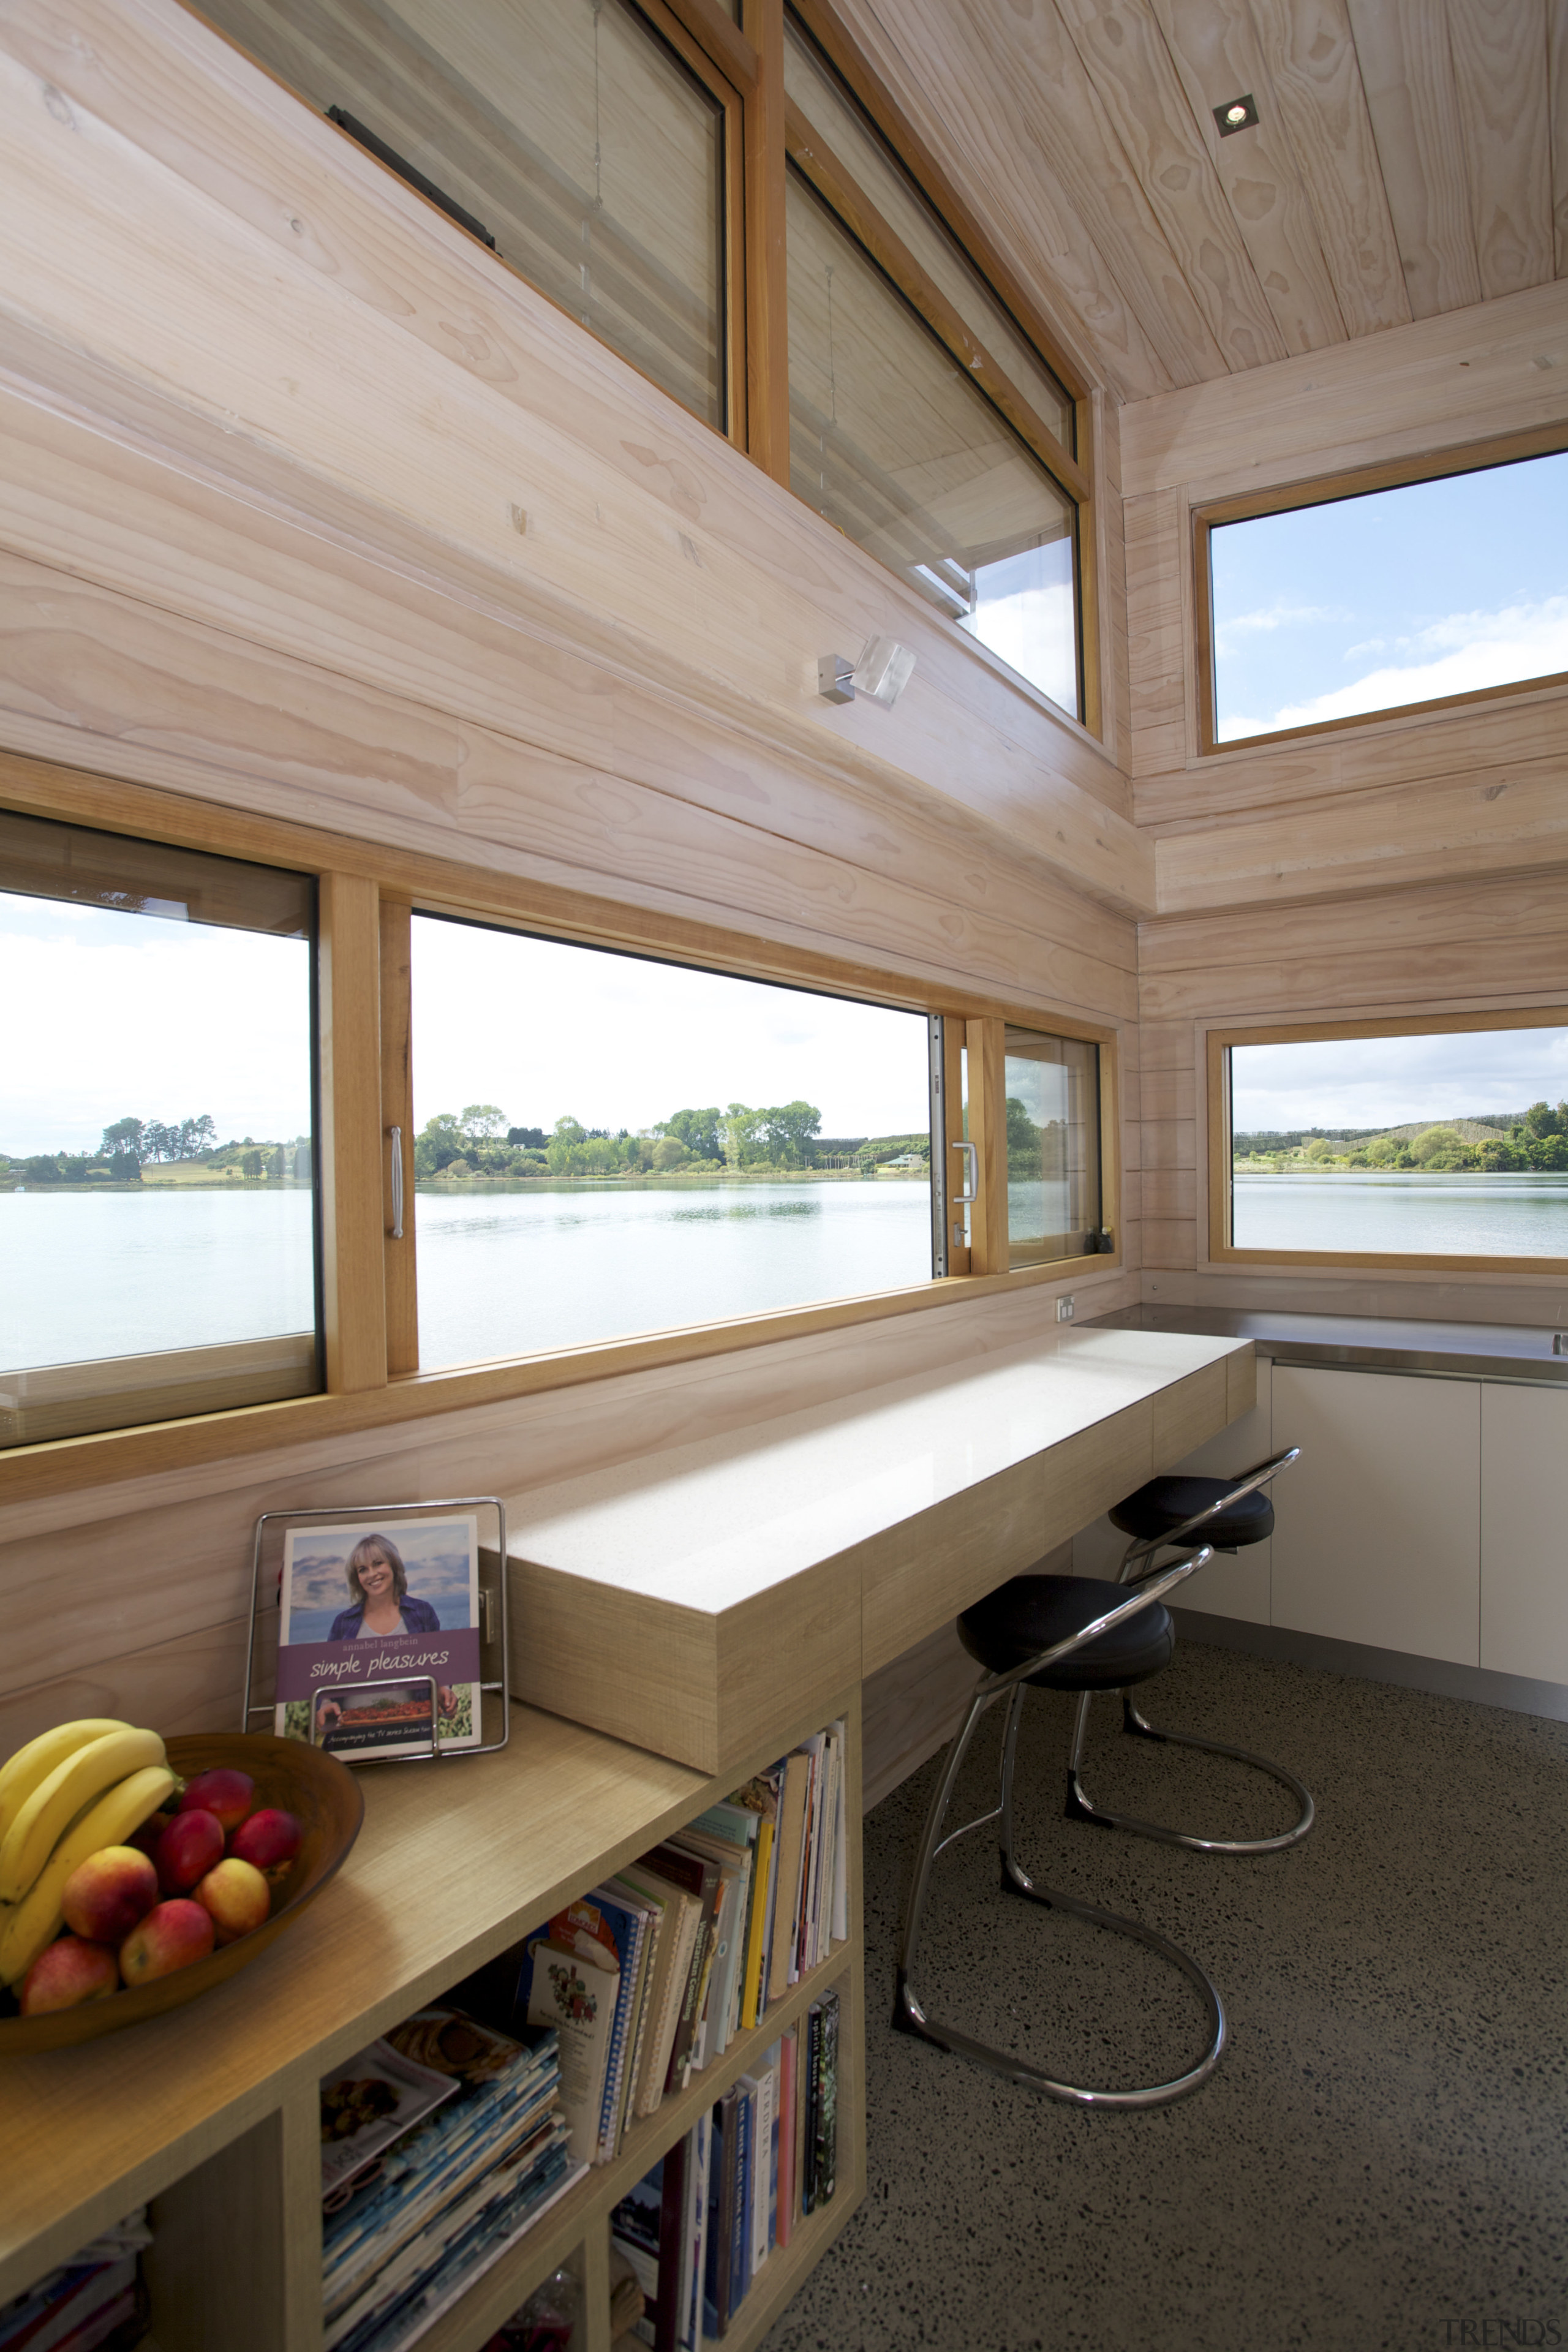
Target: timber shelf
x=212 y=2113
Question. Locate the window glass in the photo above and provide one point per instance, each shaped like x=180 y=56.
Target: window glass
x=1439 y=1146
x=568 y=132
x=607 y=1145
x=1052 y=1086
x=156 y=1183
x=1405 y=596
x=890 y=440
x=831 y=109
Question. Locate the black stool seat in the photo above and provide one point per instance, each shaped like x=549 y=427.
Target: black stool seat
x=1167 y=1503
x=1029 y=1613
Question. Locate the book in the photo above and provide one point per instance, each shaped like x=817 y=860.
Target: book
x=759 y=1796
x=784 y=2228
x=841 y=1849
x=683 y=1914
x=733 y=1861
x=791 y=1847
x=578 y=1995
x=693 y=2272
x=599 y=1929
x=701 y=1878
x=763 y=2085
x=722 y=2142
x=740 y=2257
x=824 y=2155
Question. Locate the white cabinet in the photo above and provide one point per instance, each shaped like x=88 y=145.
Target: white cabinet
x=1524 y=1560
x=1377 y=1533
x=1233 y=1584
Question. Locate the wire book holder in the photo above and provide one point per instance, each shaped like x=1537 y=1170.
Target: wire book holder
x=493 y=1645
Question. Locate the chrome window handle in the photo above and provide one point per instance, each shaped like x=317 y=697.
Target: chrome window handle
x=396 y=1133
x=971 y=1174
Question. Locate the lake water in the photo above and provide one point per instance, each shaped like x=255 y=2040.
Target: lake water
x=1427 y=1216
x=513 y=1269
x=503 y=1271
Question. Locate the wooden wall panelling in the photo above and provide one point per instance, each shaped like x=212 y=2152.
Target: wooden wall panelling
x=397 y=1129
x=351 y=1180
x=1149 y=111
x=1501 y=83
x=390 y=771
x=1466 y=376
x=1407 y=71
x=1481 y=744
x=419 y=323
x=1502 y=919
x=1426 y=833
x=1110 y=572
x=1216 y=52
x=1315 y=79
x=1156 y=631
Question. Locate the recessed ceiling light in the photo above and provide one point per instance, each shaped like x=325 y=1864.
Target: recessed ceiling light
x=1236 y=114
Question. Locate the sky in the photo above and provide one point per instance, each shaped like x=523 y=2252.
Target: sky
x=1401 y=597
x=144 y=1017
x=1377 y=1082
x=547 y=1031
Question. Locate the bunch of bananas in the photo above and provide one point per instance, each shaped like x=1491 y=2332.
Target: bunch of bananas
x=65 y=1796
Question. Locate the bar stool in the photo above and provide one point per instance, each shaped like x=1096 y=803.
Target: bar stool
x=1227 y=1514
x=1057 y=1632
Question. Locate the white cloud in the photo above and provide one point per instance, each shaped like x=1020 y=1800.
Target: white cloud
x=1469 y=651
x=1267 y=617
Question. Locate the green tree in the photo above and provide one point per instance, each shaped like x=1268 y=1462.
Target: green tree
x=125 y=1139
x=1023 y=1137
x=788 y=1133
x=1540 y=1120
x=670 y=1152
x=741 y=1130
x=697 y=1130
x=1444 y=1144
x=482 y=1122
x=252 y=1164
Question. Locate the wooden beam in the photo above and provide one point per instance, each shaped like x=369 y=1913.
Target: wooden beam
x=354 y=1285
x=1312 y=87
x=985 y=1047
x=1502 y=80
x=1407 y=72
x=767 y=287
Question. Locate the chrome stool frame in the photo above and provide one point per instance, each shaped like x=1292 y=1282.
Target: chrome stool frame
x=909 y=2015
x=1136 y=1567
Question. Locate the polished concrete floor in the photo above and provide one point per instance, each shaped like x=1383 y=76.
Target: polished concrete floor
x=1382 y=2157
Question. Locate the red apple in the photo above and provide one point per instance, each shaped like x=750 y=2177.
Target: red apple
x=227 y=1793
x=237 y=1896
x=170 y=1938
x=66 y=1973
x=105 y=1896
x=270 y=1839
x=187 y=1850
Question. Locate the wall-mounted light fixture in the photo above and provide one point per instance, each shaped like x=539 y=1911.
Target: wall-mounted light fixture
x=1236 y=114
x=883 y=670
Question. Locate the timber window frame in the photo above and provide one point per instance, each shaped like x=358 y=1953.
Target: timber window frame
x=743 y=67
x=1326 y=490
x=1218 y=1043
x=367 y=894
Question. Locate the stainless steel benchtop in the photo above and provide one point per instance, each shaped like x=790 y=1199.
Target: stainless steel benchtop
x=1499 y=1351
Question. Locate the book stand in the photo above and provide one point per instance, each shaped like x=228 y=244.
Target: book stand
x=265 y=1578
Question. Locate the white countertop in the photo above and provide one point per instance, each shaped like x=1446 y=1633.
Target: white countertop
x=710 y=1525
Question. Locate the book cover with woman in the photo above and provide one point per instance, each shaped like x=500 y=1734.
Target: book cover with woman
x=378 y=1636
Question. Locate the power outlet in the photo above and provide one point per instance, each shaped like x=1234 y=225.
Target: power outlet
x=1063 y=1310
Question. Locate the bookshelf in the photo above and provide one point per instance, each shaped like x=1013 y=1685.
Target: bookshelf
x=211 y=2114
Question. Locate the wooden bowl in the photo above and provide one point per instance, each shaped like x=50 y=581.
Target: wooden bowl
x=328 y=1803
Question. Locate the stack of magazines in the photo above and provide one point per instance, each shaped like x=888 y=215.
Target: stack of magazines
x=648 y=1977
x=94 y=2302
x=441 y=2145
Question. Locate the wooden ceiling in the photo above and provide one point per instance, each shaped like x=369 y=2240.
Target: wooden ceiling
x=1410 y=156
